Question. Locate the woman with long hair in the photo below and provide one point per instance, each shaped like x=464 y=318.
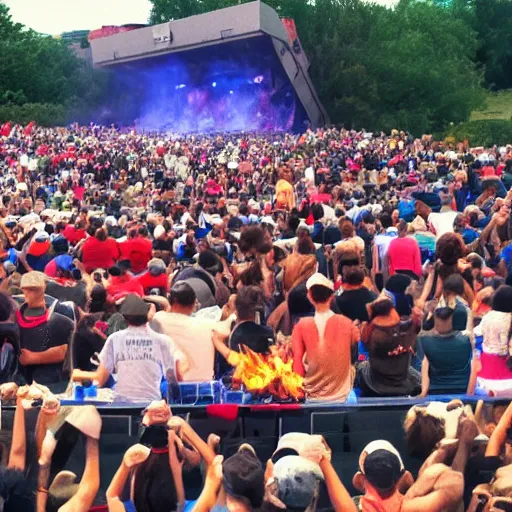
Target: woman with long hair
x=154 y=467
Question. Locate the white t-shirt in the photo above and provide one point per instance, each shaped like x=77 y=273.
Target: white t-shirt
x=193 y=337
x=442 y=222
x=139 y=357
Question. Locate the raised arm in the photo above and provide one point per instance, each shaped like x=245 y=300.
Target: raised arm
x=499 y=436
x=134 y=456
x=438 y=488
x=208 y=498
x=192 y=438
x=340 y=498
x=83 y=500
x=18 y=452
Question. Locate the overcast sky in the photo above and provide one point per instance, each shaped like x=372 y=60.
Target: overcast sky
x=57 y=16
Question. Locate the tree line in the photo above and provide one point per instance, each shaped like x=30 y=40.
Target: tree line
x=421 y=66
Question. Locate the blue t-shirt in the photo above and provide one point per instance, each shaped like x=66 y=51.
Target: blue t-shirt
x=449 y=358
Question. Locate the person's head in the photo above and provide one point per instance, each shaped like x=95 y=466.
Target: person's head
x=426 y=425
x=380 y=470
x=317 y=210
x=60 y=245
x=135 y=311
x=253 y=240
x=210 y=262
x=6 y=307
x=305 y=245
x=293 y=223
x=348 y=259
x=385 y=220
x=243 y=480
x=320 y=291
x=33 y=285
x=446 y=200
x=98 y=299
x=346 y=228
x=443 y=320
x=353 y=275
x=101 y=234
x=502 y=299
x=182 y=298
x=154 y=487
x=293 y=483
x=453 y=286
x=156 y=267
x=402 y=228
x=249 y=300
x=450 y=248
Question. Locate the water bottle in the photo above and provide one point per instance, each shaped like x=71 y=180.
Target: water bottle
x=90 y=390
x=78 y=392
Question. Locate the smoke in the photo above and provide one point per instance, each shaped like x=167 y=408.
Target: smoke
x=202 y=91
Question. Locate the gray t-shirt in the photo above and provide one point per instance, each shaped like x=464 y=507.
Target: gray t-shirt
x=140 y=357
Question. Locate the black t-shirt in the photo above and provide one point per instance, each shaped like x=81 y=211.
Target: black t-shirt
x=352 y=303
x=257 y=337
x=76 y=293
x=85 y=344
x=162 y=245
x=40 y=337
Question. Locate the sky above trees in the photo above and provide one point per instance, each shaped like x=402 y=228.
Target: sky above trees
x=57 y=16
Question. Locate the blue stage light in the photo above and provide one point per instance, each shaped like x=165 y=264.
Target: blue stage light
x=258 y=79
x=230 y=92
x=214 y=84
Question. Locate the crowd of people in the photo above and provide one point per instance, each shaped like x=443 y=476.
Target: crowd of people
x=380 y=264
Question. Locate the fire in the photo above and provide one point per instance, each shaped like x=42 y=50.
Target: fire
x=272 y=373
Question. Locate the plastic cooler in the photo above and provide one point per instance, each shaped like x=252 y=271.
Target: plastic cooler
x=194 y=393
x=240 y=397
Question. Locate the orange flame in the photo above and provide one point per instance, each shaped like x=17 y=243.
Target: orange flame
x=272 y=373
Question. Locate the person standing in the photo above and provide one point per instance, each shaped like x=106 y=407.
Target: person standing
x=44 y=335
x=404 y=254
x=325 y=342
x=139 y=357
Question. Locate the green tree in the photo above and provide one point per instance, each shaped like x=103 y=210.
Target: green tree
x=412 y=67
x=43 y=73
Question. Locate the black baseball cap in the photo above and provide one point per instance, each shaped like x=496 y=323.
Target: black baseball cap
x=134 y=306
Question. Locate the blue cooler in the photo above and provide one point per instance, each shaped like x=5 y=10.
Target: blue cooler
x=194 y=393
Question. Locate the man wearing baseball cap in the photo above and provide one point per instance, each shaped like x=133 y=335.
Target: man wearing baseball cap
x=44 y=335
x=139 y=357
x=325 y=340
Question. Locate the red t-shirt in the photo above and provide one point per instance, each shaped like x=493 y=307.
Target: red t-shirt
x=488 y=170
x=123 y=285
x=148 y=282
x=73 y=235
x=96 y=254
x=140 y=252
